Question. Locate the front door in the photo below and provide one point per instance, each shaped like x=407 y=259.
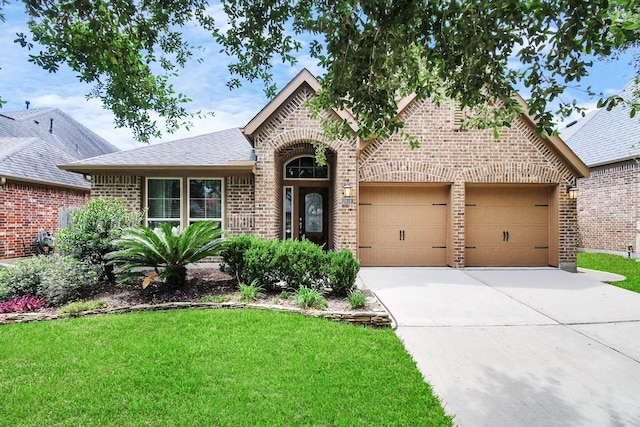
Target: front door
x=313 y=210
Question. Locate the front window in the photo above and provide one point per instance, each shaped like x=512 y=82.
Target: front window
x=164 y=202
x=205 y=200
x=178 y=203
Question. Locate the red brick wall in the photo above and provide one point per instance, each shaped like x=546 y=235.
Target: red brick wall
x=608 y=207
x=26 y=209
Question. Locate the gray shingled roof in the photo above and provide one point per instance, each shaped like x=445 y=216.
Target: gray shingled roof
x=606 y=136
x=34 y=160
x=213 y=149
x=29 y=151
x=68 y=135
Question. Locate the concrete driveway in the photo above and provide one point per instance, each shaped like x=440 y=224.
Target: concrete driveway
x=519 y=347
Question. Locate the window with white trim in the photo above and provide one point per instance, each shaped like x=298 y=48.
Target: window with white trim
x=164 y=202
x=205 y=200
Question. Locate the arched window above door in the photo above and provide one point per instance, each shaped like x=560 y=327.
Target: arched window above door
x=305 y=168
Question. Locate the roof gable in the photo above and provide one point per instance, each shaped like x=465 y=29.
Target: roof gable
x=304 y=77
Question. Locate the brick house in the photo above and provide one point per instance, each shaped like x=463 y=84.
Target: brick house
x=34 y=193
x=462 y=199
x=609 y=203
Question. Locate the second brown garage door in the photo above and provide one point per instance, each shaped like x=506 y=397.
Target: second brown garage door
x=507 y=226
x=403 y=226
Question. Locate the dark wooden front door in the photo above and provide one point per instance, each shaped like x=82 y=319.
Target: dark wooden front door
x=313 y=209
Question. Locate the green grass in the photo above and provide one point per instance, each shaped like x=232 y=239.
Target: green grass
x=209 y=368
x=628 y=267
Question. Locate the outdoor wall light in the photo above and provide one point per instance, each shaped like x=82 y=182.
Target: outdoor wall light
x=572 y=191
x=347 y=188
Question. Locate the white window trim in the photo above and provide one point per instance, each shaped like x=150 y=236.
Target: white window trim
x=223 y=194
x=146 y=200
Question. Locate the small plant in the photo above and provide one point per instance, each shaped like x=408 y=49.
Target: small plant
x=215 y=298
x=79 y=306
x=284 y=295
x=165 y=249
x=250 y=292
x=357 y=298
x=23 y=304
x=310 y=298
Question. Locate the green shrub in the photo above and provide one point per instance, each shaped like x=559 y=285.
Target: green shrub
x=56 y=278
x=260 y=263
x=165 y=249
x=301 y=263
x=296 y=263
x=80 y=306
x=250 y=292
x=310 y=298
x=232 y=254
x=343 y=271
x=357 y=298
x=95 y=227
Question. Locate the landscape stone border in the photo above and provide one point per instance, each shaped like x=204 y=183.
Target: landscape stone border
x=378 y=317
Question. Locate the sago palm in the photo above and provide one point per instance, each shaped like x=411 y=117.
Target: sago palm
x=165 y=249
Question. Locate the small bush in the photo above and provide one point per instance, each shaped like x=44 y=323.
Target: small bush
x=23 y=304
x=343 y=271
x=80 y=306
x=95 y=227
x=250 y=292
x=233 y=259
x=301 y=263
x=310 y=298
x=260 y=261
x=357 y=298
x=55 y=277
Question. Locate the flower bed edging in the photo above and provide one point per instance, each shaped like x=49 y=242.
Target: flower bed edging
x=377 y=318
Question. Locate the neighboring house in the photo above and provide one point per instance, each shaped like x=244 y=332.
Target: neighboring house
x=462 y=199
x=34 y=192
x=609 y=203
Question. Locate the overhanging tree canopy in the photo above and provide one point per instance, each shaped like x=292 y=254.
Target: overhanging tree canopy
x=374 y=51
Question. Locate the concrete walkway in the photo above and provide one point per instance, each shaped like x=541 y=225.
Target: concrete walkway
x=519 y=347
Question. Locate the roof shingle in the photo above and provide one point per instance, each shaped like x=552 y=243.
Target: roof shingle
x=607 y=136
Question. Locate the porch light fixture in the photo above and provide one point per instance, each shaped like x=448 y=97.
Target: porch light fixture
x=572 y=191
x=347 y=188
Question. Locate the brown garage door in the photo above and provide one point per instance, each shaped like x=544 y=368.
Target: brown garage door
x=403 y=226
x=507 y=226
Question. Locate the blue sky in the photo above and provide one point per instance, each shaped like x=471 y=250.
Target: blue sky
x=203 y=82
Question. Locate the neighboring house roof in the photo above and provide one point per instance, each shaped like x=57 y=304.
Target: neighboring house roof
x=31 y=145
x=227 y=150
x=607 y=136
x=66 y=134
x=34 y=160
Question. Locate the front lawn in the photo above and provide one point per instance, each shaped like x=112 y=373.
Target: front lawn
x=628 y=267
x=217 y=367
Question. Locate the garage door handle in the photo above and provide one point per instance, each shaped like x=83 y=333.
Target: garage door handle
x=507 y=236
x=504 y=236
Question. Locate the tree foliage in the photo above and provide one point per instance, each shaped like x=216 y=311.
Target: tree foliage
x=374 y=52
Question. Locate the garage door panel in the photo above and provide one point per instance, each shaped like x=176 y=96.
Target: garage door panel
x=370 y=215
x=403 y=226
x=507 y=226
